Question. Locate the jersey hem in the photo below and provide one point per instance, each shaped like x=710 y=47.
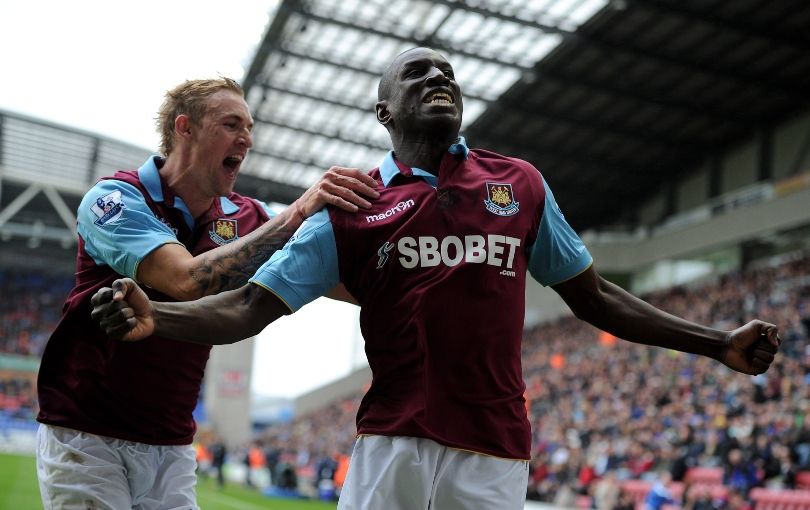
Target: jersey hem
x=446 y=445
x=187 y=440
x=580 y=266
x=271 y=291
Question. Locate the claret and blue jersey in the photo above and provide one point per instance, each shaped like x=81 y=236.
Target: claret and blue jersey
x=131 y=229
x=438 y=266
x=90 y=383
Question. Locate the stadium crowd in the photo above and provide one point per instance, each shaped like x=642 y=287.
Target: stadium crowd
x=605 y=411
x=29 y=311
x=18 y=399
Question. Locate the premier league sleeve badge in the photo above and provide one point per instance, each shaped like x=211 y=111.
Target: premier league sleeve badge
x=108 y=208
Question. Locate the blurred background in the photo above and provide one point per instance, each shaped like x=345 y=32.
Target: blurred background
x=674 y=133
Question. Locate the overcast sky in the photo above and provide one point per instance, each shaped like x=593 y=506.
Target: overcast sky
x=103 y=66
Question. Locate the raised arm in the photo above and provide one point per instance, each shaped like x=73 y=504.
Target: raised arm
x=172 y=270
x=126 y=313
x=749 y=349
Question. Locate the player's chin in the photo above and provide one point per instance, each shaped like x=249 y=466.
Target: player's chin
x=227 y=183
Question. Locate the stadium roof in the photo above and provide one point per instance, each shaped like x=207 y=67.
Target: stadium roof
x=610 y=99
x=313 y=83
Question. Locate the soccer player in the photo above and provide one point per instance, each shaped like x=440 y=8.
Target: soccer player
x=117 y=418
x=438 y=267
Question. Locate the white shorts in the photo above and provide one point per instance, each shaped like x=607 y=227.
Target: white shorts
x=407 y=473
x=77 y=470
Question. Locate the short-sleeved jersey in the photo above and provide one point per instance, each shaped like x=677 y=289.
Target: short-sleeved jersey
x=142 y=391
x=438 y=266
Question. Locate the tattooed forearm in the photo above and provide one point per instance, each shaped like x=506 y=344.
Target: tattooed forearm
x=230 y=266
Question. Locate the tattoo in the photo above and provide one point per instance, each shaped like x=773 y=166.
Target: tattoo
x=229 y=267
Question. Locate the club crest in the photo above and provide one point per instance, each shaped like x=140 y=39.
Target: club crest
x=500 y=199
x=108 y=208
x=223 y=231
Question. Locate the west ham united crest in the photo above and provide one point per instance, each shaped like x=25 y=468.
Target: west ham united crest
x=223 y=231
x=500 y=199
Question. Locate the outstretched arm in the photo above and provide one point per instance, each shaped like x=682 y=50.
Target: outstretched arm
x=126 y=313
x=749 y=349
x=172 y=270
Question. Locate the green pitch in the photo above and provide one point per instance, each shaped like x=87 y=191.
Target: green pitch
x=19 y=491
x=18 y=483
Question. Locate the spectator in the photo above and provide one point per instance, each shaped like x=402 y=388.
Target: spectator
x=659 y=494
x=740 y=472
x=219 y=454
x=606 y=492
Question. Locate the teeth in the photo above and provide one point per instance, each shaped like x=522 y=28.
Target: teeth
x=440 y=98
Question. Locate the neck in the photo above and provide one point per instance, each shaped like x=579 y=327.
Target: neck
x=179 y=175
x=424 y=153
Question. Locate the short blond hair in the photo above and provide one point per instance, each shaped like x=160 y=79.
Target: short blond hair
x=189 y=98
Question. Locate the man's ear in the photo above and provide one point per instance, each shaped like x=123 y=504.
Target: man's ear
x=182 y=125
x=383 y=115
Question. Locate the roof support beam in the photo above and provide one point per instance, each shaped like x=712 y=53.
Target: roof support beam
x=270 y=41
x=334 y=136
x=369 y=72
x=288 y=159
x=388 y=35
x=61 y=208
x=19 y=202
x=321 y=99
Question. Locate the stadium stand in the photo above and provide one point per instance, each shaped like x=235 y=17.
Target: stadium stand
x=28 y=314
x=30 y=311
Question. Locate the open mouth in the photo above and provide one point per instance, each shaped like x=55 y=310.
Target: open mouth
x=233 y=161
x=439 y=97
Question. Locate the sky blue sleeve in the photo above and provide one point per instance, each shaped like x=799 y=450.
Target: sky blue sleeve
x=306 y=268
x=270 y=212
x=118 y=228
x=558 y=254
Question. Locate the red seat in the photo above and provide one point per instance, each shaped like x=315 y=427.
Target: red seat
x=773 y=499
x=704 y=475
x=637 y=489
x=803 y=480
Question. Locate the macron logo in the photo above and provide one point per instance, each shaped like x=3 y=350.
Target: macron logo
x=390 y=212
